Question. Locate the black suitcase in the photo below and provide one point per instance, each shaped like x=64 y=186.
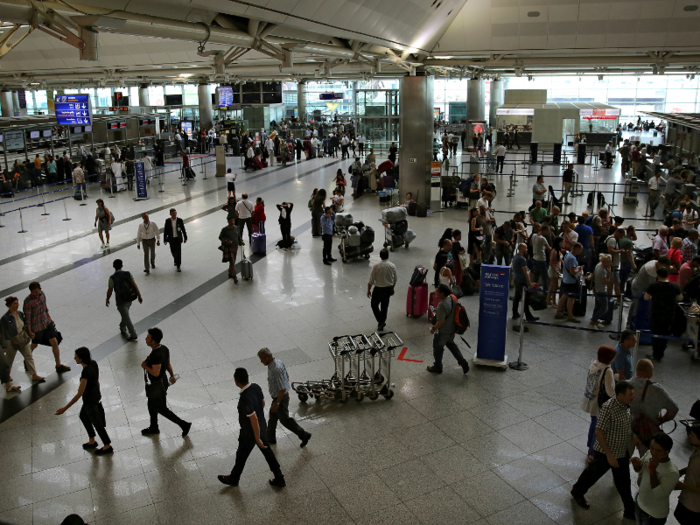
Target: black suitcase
x=422 y=211
x=538 y=301
x=580 y=302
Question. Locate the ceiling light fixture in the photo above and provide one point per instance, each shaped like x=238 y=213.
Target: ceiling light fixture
x=690 y=8
x=533 y=14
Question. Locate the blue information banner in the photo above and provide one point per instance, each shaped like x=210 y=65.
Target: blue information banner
x=73 y=109
x=493 y=312
x=141 y=189
x=225 y=96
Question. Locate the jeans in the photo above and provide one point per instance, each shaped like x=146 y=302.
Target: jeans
x=246 y=223
x=380 y=303
x=601 y=306
x=591 y=435
x=539 y=272
x=660 y=327
x=503 y=252
x=518 y=297
x=126 y=325
x=149 y=252
x=287 y=421
x=160 y=406
x=597 y=468
x=92 y=416
x=499 y=164
x=645 y=519
x=245 y=447
x=442 y=340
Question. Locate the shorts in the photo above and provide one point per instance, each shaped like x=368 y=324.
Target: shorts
x=43 y=337
x=569 y=289
x=231 y=186
x=552 y=274
x=615 y=275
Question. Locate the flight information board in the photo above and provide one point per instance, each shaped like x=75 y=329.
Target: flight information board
x=73 y=109
x=225 y=96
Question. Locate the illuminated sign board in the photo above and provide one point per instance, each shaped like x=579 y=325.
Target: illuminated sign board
x=515 y=111
x=73 y=109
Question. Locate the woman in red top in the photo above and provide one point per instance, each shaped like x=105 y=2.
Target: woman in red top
x=259 y=215
x=674 y=253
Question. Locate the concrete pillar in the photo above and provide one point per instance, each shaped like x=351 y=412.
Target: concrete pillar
x=206 y=115
x=301 y=100
x=15 y=103
x=475 y=104
x=6 y=104
x=144 y=98
x=353 y=111
x=497 y=93
x=416 y=145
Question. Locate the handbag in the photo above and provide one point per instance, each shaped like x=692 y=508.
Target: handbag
x=695 y=410
x=155 y=390
x=21 y=340
x=603 y=396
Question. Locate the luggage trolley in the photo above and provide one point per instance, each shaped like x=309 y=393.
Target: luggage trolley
x=336 y=388
x=383 y=345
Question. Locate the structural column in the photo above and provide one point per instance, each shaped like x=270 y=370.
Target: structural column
x=206 y=116
x=475 y=105
x=144 y=98
x=301 y=100
x=416 y=144
x=15 y=103
x=496 y=100
x=6 y=104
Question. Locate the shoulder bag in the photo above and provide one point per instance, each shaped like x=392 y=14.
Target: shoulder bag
x=603 y=396
x=155 y=390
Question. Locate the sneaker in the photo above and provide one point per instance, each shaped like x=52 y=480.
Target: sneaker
x=186 y=429
x=593 y=326
x=434 y=370
x=327 y=262
x=178 y=269
x=332 y=259
x=278 y=482
x=381 y=327
x=104 y=451
x=150 y=431
x=133 y=338
x=580 y=500
x=305 y=440
x=226 y=480
x=465 y=367
x=146 y=272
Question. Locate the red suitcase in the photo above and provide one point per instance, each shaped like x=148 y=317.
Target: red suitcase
x=384 y=166
x=433 y=302
x=417 y=300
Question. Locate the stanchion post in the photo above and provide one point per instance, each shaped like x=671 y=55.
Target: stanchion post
x=1 y=224
x=614 y=191
x=43 y=204
x=160 y=179
x=112 y=181
x=21 y=222
x=82 y=195
x=519 y=365
x=205 y=168
x=636 y=350
x=65 y=209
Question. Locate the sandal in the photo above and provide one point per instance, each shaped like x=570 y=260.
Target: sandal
x=13 y=389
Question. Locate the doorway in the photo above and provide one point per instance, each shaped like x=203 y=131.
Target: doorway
x=568 y=126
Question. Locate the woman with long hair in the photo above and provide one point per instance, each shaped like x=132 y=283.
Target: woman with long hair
x=15 y=338
x=553 y=271
x=103 y=221
x=474 y=243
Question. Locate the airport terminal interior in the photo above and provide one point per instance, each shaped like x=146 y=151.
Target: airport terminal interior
x=112 y=110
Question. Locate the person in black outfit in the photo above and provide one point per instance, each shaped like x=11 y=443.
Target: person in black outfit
x=441 y=258
x=251 y=418
x=285 y=221
x=60 y=170
x=157 y=366
x=663 y=295
x=515 y=138
x=174 y=233
x=92 y=415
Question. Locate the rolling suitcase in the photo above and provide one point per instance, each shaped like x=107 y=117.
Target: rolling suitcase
x=580 y=302
x=259 y=243
x=246 y=267
x=417 y=300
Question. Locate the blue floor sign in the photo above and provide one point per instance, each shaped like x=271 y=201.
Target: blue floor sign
x=141 y=189
x=493 y=312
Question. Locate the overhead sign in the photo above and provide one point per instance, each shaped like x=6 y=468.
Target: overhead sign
x=330 y=96
x=186 y=126
x=515 y=111
x=14 y=140
x=73 y=109
x=599 y=112
x=225 y=96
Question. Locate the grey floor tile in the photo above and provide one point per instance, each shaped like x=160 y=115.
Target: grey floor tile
x=563 y=459
x=492 y=449
x=462 y=426
x=317 y=507
x=453 y=464
x=411 y=479
x=531 y=403
x=529 y=477
x=560 y=507
x=435 y=406
x=530 y=437
x=424 y=438
x=524 y=513
x=139 y=516
x=487 y=493
x=498 y=415
x=562 y=423
x=442 y=506
x=118 y=497
x=366 y=499
x=395 y=515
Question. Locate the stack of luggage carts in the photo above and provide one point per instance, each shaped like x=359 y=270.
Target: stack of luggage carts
x=355 y=238
x=362 y=368
x=395 y=223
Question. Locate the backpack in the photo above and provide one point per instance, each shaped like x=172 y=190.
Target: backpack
x=668 y=220
x=123 y=287
x=461 y=316
x=418 y=277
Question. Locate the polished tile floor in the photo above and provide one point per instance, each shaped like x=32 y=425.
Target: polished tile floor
x=496 y=447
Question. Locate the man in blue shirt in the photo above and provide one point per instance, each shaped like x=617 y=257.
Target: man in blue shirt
x=622 y=365
x=585 y=237
x=570 y=286
x=327 y=220
x=279 y=387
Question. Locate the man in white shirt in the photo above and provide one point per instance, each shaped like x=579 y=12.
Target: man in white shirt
x=149 y=235
x=178 y=141
x=654 y=193
x=450 y=136
x=361 y=144
x=245 y=209
x=314 y=147
x=500 y=157
x=270 y=147
x=344 y=146
x=383 y=278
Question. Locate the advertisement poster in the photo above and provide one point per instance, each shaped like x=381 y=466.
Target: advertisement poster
x=141 y=188
x=493 y=315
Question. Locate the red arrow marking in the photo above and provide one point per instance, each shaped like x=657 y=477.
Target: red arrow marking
x=403 y=353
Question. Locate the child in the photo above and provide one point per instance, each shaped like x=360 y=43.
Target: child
x=231 y=183
x=259 y=215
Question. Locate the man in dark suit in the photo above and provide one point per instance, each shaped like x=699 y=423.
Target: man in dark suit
x=253 y=431
x=174 y=233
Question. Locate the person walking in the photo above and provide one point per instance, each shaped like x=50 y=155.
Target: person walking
x=149 y=235
x=600 y=386
x=245 y=210
x=92 y=414
x=40 y=326
x=15 y=338
x=126 y=291
x=279 y=387
x=230 y=241
x=157 y=367
x=613 y=433
x=602 y=282
x=383 y=278
x=500 y=157
x=103 y=221
x=174 y=232
x=251 y=419
x=285 y=222
x=444 y=331
x=663 y=295
x=568 y=182
x=622 y=365
x=658 y=477
x=570 y=286
x=231 y=183
x=327 y=221
x=688 y=509
x=79 y=179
